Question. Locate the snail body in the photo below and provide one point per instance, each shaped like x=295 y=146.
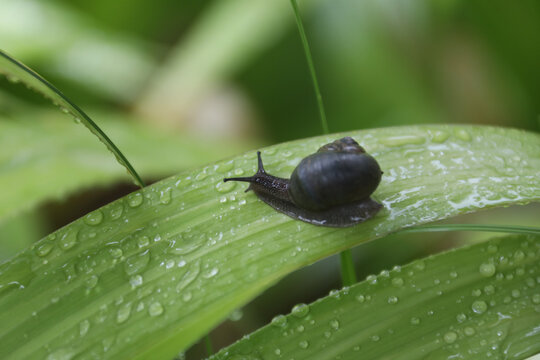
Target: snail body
x=331 y=187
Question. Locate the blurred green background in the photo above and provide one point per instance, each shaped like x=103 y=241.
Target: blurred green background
x=179 y=84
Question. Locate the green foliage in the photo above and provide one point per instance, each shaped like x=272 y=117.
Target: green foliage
x=44 y=157
x=475 y=302
x=149 y=274
x=15 y=71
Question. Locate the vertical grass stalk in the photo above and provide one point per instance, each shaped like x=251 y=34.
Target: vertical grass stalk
x=348 y=275
x=208 y=345
x=309 y=59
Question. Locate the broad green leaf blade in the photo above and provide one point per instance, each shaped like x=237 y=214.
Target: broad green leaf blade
x=476 y=302
x=35 y=140
x=149 y=274
x=16 y=71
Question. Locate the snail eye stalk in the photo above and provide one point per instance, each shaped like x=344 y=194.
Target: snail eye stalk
x=251 y=179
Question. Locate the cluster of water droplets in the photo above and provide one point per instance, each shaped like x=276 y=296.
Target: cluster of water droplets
x=134 y=272
x=484 y=314
x=460 y=168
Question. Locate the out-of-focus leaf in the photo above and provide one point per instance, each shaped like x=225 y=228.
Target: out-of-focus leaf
x=19 y=233
x=229 y=34
x=69 y=44
x=147 y=275
x=45 y=157
x=16 y=71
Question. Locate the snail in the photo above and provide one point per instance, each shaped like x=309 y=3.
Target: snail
x=331 y=187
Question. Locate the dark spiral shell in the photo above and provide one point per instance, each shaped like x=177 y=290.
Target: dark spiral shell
x=330 y=178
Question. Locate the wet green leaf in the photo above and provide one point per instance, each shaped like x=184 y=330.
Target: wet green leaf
x=476 y=302
x=149 y=274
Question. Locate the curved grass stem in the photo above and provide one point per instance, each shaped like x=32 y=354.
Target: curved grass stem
x=309 y=59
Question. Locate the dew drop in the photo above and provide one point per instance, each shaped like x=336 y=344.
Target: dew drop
x=300 y=328
x=165 y=196
x=94 y=218
x=224 y=187
x=393 y=299
x=334 y=324
x=334 y=293
x=303 y=344
x=397 y=282
x=461 y=317
x=536 y=298
x=277 y=351
x=476 y=292
x=116 y=210
x=450 y=337
x=238 y=172
x=519 y=256
x=44 y=249
x=91 y=281
x=190 y=276
x=360 y=298
x=487 y=269
x=489 y=289
x=469 y=331
x=136 y=280
x=185 y=243
x=140 y=307
x=420 y=265
x=300 y=310
x=68 y=240
x=116 y=252
x=155 y=309
x=210 y=273
x=372 y=279
x=479 y=306
x=123 y=313
x=135 y=199
x=463 y=134
x=279 y=321
x=143 y=241
x=401 y=140
x=201 y=176
x=415 y=321
x=439 y=136
x=137 y=263
x=84 y=326
x=186 y=296
x=516 y=293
